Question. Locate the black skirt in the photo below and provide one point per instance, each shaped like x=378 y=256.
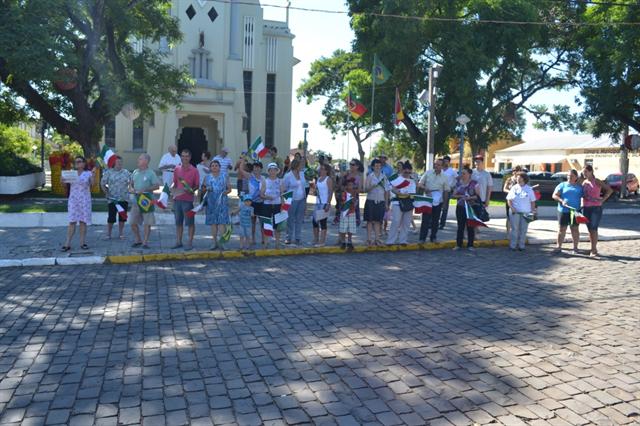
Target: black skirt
x=374 y=211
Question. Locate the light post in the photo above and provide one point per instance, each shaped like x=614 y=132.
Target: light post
x=434 y=73
x=305 y=126
x=462 y=121
x=42 y=128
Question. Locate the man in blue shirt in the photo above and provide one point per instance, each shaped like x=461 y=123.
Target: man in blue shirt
x=386 y=169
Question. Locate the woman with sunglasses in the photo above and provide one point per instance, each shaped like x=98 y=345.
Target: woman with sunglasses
x=79 y=203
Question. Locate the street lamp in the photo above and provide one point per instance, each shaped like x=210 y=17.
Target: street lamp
x=42 y=128
x=305 y=126
x=462 y=121
x=428 y=100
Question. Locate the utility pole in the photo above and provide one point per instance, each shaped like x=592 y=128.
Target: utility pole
x=624 y=162
x=434 y=73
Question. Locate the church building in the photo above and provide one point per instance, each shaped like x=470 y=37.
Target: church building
x=242 y=65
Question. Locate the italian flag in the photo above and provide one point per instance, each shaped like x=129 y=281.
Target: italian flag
x=398 y=181
x=577 y=217
x=224 y=238
x=422 y=204
x=287 y=199
x=163 y=201
x=195 y=210
x=472 y=220
x=121 y=211
x=259 y=147
x=107 y=158
x=346 y=205
x=267 y=226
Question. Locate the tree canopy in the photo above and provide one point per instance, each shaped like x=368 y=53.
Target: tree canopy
x=76 y=65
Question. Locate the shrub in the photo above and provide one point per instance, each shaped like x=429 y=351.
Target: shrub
x=13 y=165
x=15 y=145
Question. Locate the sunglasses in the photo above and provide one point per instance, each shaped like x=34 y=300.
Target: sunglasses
x=79 y=161
x=352 y=164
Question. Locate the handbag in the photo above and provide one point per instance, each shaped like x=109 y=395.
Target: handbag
x=481 y=212
x=406 y=204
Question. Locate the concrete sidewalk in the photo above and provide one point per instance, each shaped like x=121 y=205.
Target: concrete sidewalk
x=41 y=246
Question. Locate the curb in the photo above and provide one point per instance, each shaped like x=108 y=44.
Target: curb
x=236 y=254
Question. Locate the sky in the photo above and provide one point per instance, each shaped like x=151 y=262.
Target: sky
x=320 y=34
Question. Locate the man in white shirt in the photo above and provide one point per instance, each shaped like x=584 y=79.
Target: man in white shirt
x=484 y=180
x=225 y=162
x=451 y=175
x=435 y=185
x=168 y=162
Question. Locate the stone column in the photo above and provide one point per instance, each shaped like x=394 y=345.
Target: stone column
x=234 y=31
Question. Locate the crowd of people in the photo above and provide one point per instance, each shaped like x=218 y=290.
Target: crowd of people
x=275 y=203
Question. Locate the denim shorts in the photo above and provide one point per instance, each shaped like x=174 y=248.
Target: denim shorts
x=180 y=209
x=594 y=214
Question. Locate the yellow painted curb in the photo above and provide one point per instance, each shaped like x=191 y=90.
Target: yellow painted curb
x=237 y=254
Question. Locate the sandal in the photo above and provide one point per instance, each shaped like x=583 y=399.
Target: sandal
x=369 y=243
x=65 y=248
x=84 y=247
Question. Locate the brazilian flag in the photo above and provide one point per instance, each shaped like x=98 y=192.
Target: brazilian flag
x=226 y=236
x=145 y=202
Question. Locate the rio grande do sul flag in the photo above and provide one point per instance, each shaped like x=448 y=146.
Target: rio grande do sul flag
x=398 y=181
x=267 y=226
x=356 y=109
x=422 y=204
x=472 y=220
x=259 y=147
x=163 y=201
x=287 y=199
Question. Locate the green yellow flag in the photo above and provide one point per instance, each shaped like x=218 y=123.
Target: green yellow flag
x=226 y=236
x=380 y=73
x=145 y=202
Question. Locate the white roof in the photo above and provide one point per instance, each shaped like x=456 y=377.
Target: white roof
x=561 y=141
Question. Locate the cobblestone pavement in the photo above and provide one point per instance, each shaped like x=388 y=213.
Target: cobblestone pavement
x=405 y=338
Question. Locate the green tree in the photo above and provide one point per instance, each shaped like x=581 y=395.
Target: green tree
x=489 y=71
x=399 y=146
x=74 y=62
x=331 y=78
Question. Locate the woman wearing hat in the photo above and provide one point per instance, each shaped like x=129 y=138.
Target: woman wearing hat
x=401 y=219
x=271 y=193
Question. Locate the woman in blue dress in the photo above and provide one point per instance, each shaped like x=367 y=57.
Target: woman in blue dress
x=217 y=214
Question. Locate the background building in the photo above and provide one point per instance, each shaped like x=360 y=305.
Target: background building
x=242 y=65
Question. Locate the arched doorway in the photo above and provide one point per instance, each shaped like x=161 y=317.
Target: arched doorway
x=193 y=139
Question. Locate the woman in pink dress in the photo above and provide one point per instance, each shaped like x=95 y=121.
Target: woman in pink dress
x=79 y=204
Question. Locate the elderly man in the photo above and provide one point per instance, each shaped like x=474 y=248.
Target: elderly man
x=186 y=181
x=168 y=163
x=115 y=185
x=451 y=175
x=435 y=185
x=143 y=182
x=225 y=162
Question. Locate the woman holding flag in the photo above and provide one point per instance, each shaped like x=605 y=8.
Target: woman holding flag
x=217 y=214
x=592 y=201
x=568 y=195
x=465 y=193
x=271 y=193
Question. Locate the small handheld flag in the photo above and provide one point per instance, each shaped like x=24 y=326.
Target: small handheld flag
x=186 y=186
x=195 y=210
x=163 y=201
x=226 y=236
x=259 y=148
x=577 y=217
x=145 y=202
x=397 y=111
x=346 y=205
x=107 y=158
x=267 y=226
x=287 y=199
x=422 y=204
x=121 y=211
x=398 y=181
x=472 y=220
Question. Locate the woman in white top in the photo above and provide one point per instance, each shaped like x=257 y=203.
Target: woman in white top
x=401 y=217
x=377 y=188
x=324 y=192
x=522 y=203
x=271 y=193
x=294 y=181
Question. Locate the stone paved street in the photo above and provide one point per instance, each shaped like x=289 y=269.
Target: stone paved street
x=383 y=338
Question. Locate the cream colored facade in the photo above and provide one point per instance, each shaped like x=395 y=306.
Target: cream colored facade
x=228 y=47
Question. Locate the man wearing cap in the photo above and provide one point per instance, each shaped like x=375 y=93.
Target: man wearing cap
x=451 y=175
x=224 y=160
x=169 y=161
x=484 y=180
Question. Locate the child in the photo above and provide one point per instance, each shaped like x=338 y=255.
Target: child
x=348 y=220
x=245 y=212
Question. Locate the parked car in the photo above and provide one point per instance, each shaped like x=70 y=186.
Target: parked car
x=543 y=182
x=614 y=180
x=560 y=176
